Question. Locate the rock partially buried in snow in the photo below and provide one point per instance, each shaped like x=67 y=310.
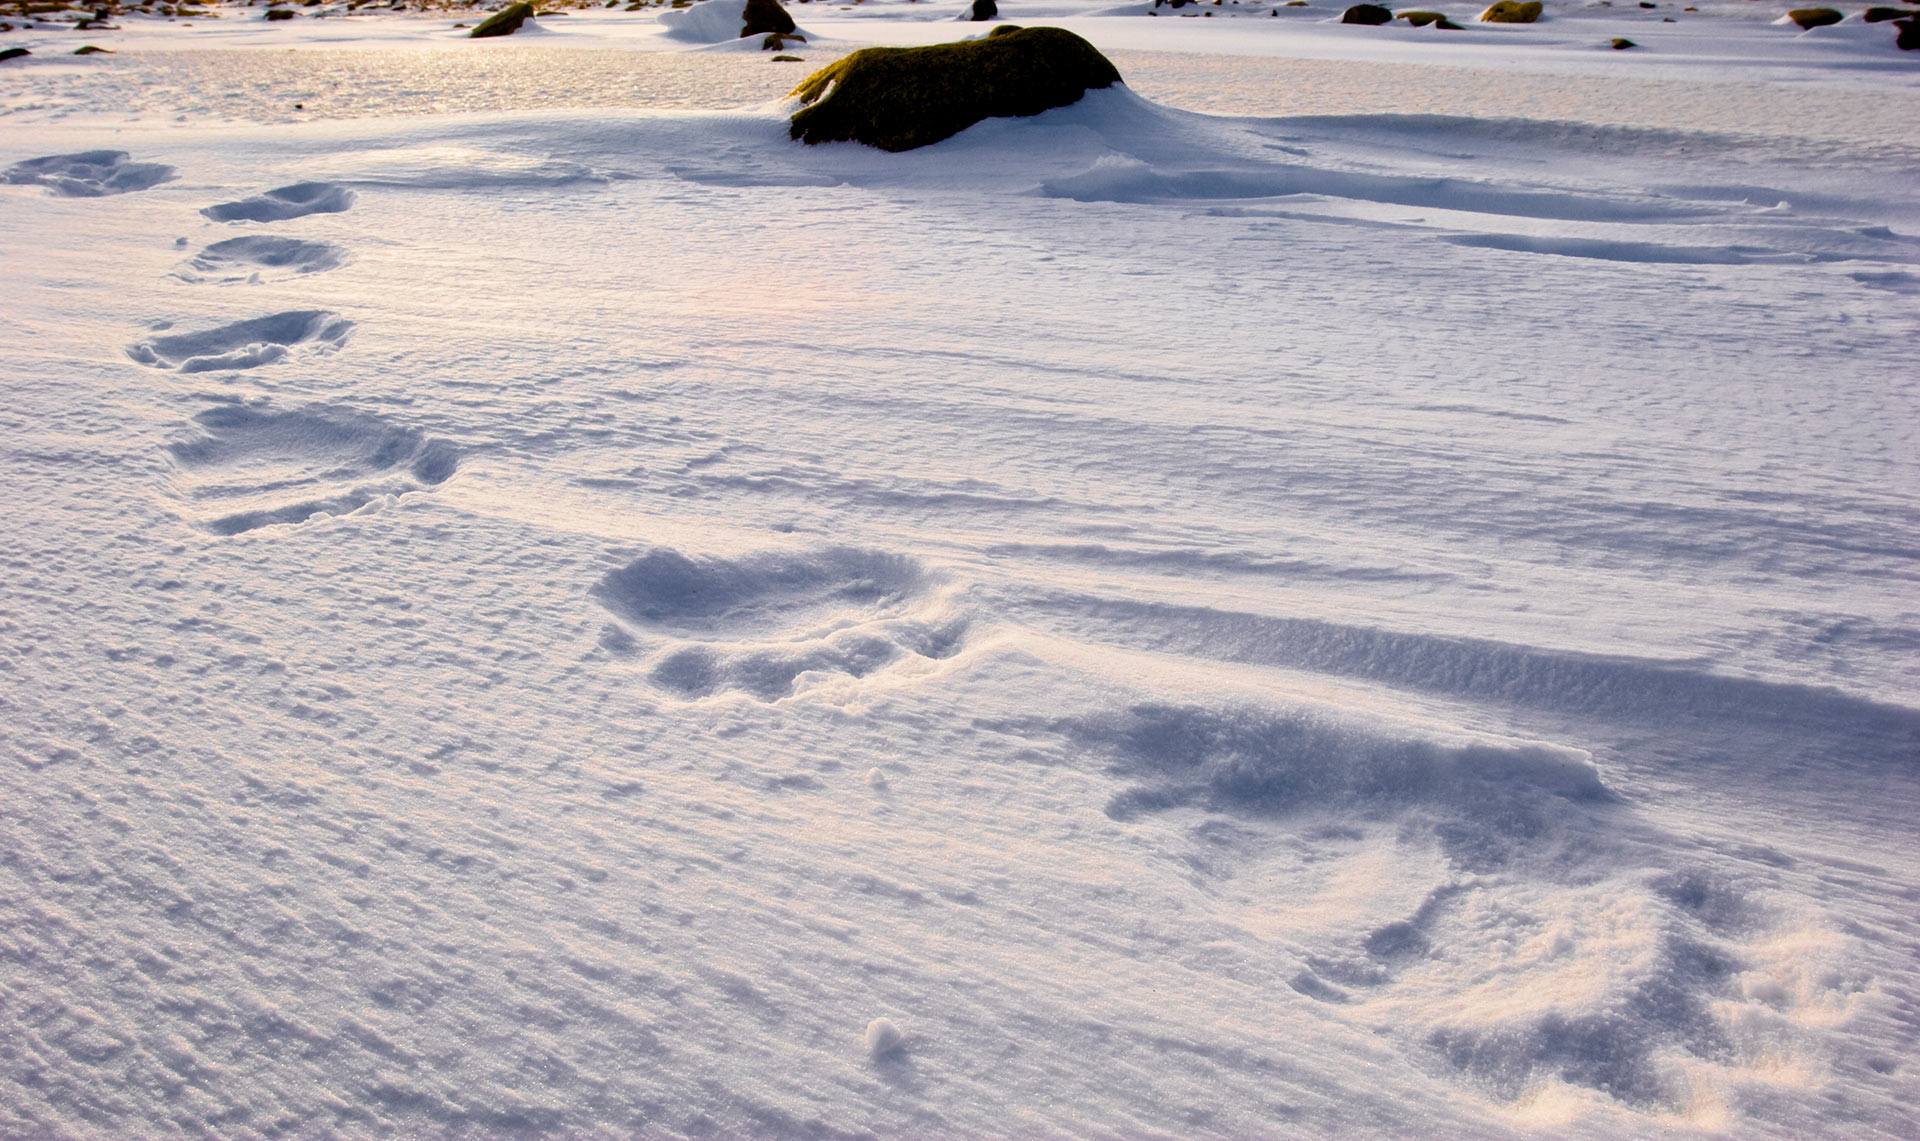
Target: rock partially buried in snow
x=1372 y=15
x=1422 y=19
x=1511 y=12
x=897 y=99
x=1908 y=36
x=505 y=22
x=760 y=17
x=1810 y=18
x=983 y=10
x=884 y=1039
x=1621 y=45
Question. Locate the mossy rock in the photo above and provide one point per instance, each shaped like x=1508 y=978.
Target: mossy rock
x=787 y=59
x=505 y=22
x=763 y=16
x=1814 y=17
x=1372 y=15
x=1881 y=15
x=901 y=98
x=13 y=53
x=280 y=13
x=91 y=49
x=775 y=41
x=1422 y=19
x=1511 y=12
x=1005 y=30
x=1621 y=45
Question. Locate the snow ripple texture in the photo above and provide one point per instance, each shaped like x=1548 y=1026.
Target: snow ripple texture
x=1123 y=623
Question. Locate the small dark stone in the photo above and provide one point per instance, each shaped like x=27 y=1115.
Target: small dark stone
x=788 y=59
x=280 y=13
x=984 y=10
x=1881 y=15
x=1422 y=19
x=1908 y=38
x=13 y=53
x=505 y=22
x=1623 y=45
x=90 y=49
x=1372 y=15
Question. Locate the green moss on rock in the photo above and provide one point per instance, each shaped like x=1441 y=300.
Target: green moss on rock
x=505 y=22
x=1814 y=17
x=901 y=98
x=1422 y=19
x=1511 y=12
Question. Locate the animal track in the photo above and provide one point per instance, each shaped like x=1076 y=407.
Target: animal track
x=243 y=344
x=247 y=258
x=279 y=205
x=757 y=624
x=89 y=174
x=253 y=467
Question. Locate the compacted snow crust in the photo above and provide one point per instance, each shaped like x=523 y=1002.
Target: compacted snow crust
x=1390 y=615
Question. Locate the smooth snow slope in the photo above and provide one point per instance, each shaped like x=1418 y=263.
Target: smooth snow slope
x=559 y=623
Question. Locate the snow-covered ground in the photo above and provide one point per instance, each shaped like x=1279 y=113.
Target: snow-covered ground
x=536 y=606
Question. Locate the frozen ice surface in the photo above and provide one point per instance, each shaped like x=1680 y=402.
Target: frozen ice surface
x=1384 y=610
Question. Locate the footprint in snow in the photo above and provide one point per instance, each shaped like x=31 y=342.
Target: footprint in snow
x=279 y=205
x=89 y=174
x=762 y=623
x=243 y=344
x=259 y=257
x=251 y=467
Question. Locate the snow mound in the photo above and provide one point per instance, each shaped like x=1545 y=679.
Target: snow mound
x=708 y=22
x=884 y=1038
x=89 y=174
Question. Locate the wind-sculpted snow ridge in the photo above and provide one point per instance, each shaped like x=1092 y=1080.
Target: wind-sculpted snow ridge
x=285 y=203
x=255 y=467
x=761 y=623
x=89 y=174
x=243 y=344
x=1477 y=669
x=257 y=257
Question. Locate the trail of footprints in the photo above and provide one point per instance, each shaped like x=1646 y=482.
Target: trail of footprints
x=253 y=465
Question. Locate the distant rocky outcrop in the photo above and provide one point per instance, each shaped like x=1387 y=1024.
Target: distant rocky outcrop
x=1511 y=12
x=897 y=99
x=505 y=22
x=1814 y=17
x=1370 y=14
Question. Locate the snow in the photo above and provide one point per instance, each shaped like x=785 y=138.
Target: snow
x=1362 y=585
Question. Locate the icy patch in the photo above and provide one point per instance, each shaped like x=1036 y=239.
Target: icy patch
x=89 y=174
x=253 y=468
x=296 y=201
x=255 y=256
x=243 y=344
